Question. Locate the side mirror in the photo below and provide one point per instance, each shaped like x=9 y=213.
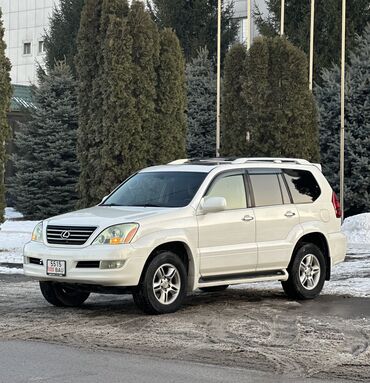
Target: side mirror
x=213 y=204
x=103 y=199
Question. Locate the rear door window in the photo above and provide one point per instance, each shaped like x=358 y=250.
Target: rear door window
x=302 y=185
x=266 y=189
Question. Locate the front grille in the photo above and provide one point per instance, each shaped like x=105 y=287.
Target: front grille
x=88 y=264
x=68 y=235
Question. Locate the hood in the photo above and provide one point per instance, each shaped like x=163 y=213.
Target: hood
x=104 y=216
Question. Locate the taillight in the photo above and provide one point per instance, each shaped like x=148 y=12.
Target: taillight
x=336 y=205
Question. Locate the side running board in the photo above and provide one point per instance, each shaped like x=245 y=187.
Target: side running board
x=250 y=275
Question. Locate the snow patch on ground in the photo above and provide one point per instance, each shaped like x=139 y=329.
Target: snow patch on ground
x=357 y=229
x=11 y=213
x=14 y=234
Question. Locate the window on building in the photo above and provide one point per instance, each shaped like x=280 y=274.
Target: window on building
x=303 y=185
x=232 y=189
x=27 y=48
x=266 y=189
x=41 y=47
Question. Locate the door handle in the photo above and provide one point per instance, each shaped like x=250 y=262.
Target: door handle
x=247 y=218
x=289 y=214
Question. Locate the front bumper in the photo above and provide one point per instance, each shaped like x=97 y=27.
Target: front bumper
x=128 y=275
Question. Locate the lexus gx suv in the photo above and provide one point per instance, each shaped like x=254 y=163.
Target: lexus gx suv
x=194 y=224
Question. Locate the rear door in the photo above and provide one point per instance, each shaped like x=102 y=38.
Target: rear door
x=276 y=218
x=227 y=242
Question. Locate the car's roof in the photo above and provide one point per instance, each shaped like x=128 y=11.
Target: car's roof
x=207 y=165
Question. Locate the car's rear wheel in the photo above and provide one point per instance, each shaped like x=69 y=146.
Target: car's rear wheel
x=213 y=289
x=306 y=273
x=162 y=288
x=62 y=295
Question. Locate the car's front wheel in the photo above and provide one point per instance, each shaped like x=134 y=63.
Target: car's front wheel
x=163 y=285
x=61 y=295
x=306 y=273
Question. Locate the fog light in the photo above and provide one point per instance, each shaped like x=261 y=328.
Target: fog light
x=111 y=264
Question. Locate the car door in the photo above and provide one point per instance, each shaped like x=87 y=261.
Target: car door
x=276 y=218
x=227 y=243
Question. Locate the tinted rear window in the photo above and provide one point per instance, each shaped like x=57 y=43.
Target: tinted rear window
x=302 y=185
x=266 y=189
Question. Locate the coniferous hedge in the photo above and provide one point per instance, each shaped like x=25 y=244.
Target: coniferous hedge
x=270 y=111
x=5 y=95
x=128 y=119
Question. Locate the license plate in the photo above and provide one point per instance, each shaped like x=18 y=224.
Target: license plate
x=57 y=268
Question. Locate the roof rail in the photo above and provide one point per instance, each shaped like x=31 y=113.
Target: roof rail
x=200 y=160
x=243 y=160
x=179 y=162
x=298 y=161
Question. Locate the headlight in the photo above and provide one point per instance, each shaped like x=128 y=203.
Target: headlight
x=118 y=234
x=37 y=233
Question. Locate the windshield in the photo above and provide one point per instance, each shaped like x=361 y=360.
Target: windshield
x=158 y=189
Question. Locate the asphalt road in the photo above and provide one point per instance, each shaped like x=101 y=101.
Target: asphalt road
x=22 y=362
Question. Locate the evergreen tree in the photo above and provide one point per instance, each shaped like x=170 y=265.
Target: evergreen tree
x=327 y=26
x=171 y=100
x=90 y=100
x=5 y=95
x=357 y=126
x=233 y=106
x=276 y=111
x=61 y=38
x=120 y=139
x=46 y=164
x=195 y=24
x=131 y=95
x=201 y=84
x=145 y=57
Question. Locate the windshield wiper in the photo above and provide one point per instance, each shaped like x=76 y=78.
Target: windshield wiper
x=111 y=204
x=147 y=205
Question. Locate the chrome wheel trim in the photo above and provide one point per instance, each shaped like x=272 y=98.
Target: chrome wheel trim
x=166 y=284
x=309 y=271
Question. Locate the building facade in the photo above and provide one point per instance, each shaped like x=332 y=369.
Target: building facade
x=240 y=14
x=25 y=22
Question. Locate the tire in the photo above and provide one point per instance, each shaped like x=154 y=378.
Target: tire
x=62 y=296
x=213 y=289
x=306 y=273
x=163 y=285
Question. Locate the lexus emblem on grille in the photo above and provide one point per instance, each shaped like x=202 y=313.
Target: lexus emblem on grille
x=65 y=234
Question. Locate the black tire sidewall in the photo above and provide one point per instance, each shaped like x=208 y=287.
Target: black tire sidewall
x=302 y=292
x=147 y=283
x=54 y=294
x=75 y=299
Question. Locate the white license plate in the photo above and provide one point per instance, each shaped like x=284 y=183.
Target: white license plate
x=57 y=268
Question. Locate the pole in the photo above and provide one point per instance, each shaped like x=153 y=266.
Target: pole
x=218 y=102
x=343 y=63
x=282 y=17
x=248 y=35
x=310 y=81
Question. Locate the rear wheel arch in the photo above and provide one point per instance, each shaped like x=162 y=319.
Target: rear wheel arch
x=318 y=239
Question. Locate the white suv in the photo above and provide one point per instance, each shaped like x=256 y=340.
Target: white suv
x=194 y=224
